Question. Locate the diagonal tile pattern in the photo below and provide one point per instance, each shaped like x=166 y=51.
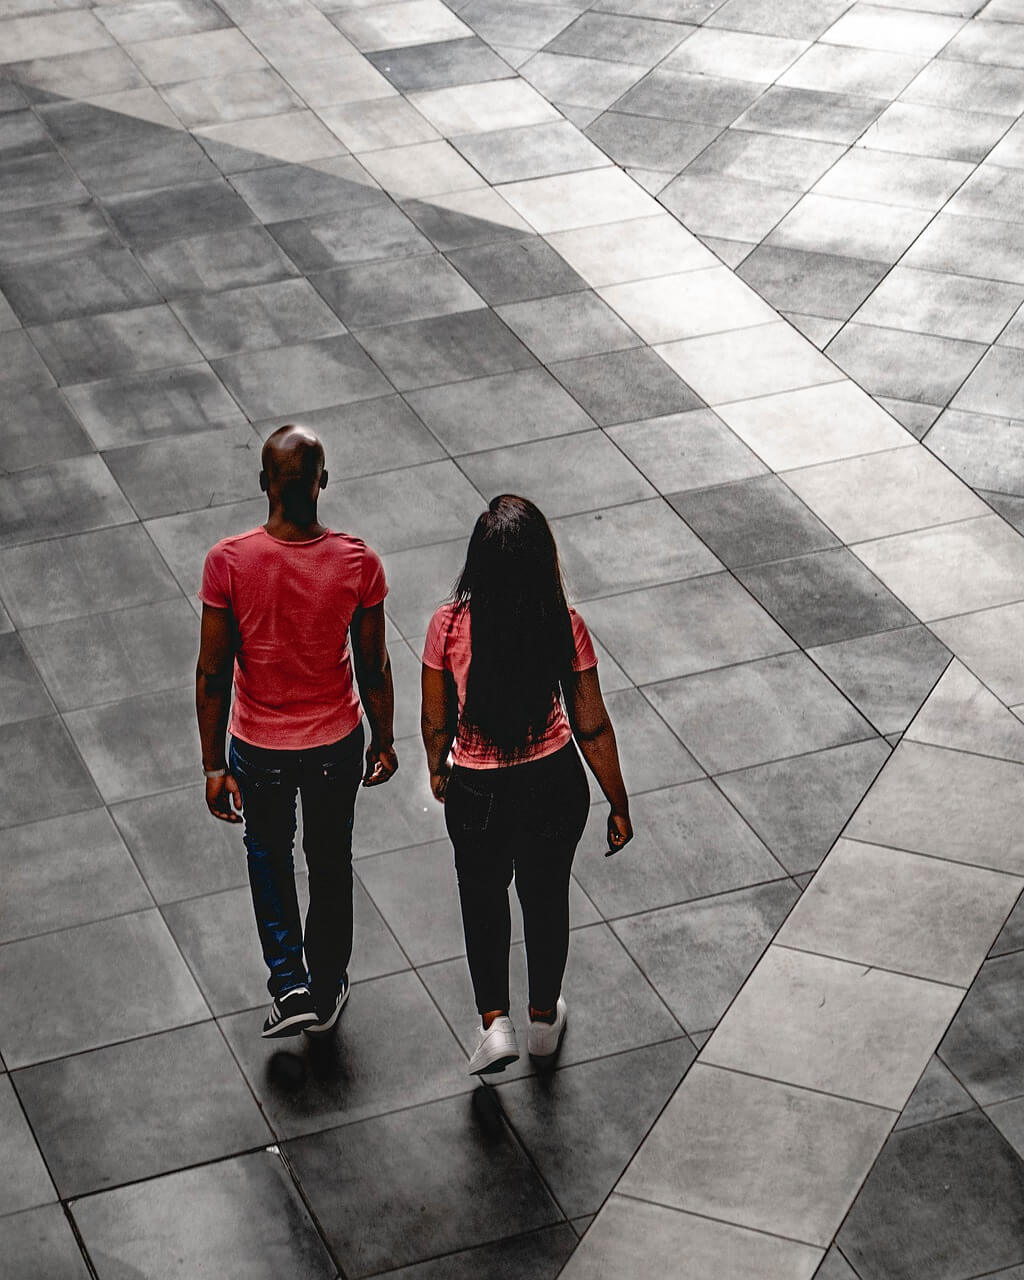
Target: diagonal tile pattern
x=480 y=295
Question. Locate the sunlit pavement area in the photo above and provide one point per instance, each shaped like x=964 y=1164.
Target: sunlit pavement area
x=733 y=292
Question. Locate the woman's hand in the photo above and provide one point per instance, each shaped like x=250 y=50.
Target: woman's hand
x=439 y=783
x=620 y=831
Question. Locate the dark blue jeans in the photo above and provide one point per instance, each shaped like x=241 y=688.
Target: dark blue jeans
x=327 y=778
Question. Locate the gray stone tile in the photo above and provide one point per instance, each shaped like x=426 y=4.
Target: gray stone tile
x=985 y=451
x=243 y=1217
x=86 y=73
x=954 y=134
x=121 y=342
x=769 y=158
x=179 y=848
x=134 y=21
x=825 y=597
x=970 y=246
x=38 y=1243
x=945 y=803
x=917 y=418
x=441 y=65
x=685 y=627
x=393 y=292
x=651 y=755
x=918 y=182
x=245 y=95
x=721 y=853
x=741 y=55
x=752 y=521
x=29 y=1182
x=886 y=676
x=41 y=179
x=21 y=367
x=938 y=303
x=789 y=709
x=22 y=694
x=686 y=451
x=728 y=208
x=85 y=661
x=814 y=283
x=516 y=271
x=811 y=113
x=67 y=871
x=462 y=1156
x=444 y=349
x=582 y=1125
x=994 y=386
x=255 y=317
x=938 y=1094
x=850 y=228
x=140 y=1108
x=699 y=955
x=134 y=953
x=678 y=95
x=613 y=1005
x=290 y=191
x=909 y=366
x=706 y=1153
x=409 y=815
x=503 y=409
x=568 y=327
x=969 y=87
x=798 y=807
x=140 y=407
x=517 y=25
x=311 y=375
x=540 y=1255
x=75 y=285
x=981 y=1047
x=619 y=38
x=86 y=574
x=641 y=544
x=138 y=745
x=567 y=474
x=29 y=235
x=943 y=1195
x=650 y=143
x=184 y=540
x=625 y=386
x=531 y=151
x=575 y=81
x=173 y=213
x=33 y=751
x=214 y=262
x=466 y=219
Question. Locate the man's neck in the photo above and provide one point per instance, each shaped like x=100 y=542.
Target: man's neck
x=279 y=526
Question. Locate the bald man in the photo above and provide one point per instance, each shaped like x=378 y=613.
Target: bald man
x=280 y=604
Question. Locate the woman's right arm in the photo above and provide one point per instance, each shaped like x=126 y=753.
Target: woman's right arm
x=592 y=729
x=437 y=724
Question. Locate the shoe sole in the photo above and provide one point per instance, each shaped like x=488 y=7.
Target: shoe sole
x=321 y=1028
x=290 y=1026
x=549 y=1053
x=496 y=1064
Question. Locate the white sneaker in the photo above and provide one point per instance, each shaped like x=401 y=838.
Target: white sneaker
x=545 y=1037
x=496 y=1049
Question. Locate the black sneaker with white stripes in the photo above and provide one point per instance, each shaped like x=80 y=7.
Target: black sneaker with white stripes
x=290 y=1013
x=327 y=1017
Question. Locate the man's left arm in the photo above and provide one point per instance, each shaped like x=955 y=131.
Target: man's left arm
x=214 y=671
x=373 y=675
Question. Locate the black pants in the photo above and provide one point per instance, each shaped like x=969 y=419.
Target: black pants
x=328 y=779
x=525 y=820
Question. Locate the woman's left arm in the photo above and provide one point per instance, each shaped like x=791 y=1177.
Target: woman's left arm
x=438 y=712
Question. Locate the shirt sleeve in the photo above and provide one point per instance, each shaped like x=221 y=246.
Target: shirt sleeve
x=586 y=655
x=433 y=644
x=373 y=586
x=215 y=590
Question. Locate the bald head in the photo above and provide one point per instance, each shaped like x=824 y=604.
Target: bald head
x=293 y=471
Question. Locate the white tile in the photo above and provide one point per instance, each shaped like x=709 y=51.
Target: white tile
x=372 y=126
x=819 y=1023
x=584 y=199
x=310 y=38
x=914 y=182
x=392 y=26
x=424 y=169
x=955 y=568
x=741 y=363
x=297 y=136
x=49 y=35
x=339 y=80
x=735 y=55
x=635 y=250
x=194 y=57
x=142 y=104
x=483 y=203
x=991 y=644
x=962 y=714
x=837 y=69
x=894 y=30
x=816 y=424
x=926 y=917
x=481 y=108
x=850 y=228
x=687 y=305
x=884 y=493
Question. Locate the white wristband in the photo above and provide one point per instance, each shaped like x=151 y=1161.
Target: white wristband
x=215 y=773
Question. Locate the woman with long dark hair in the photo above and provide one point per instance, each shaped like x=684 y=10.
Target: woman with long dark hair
x=499 y=661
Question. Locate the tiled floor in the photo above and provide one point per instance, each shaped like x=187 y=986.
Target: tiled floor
x=458 y=242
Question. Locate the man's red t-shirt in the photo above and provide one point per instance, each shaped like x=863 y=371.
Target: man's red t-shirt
x=293 y=603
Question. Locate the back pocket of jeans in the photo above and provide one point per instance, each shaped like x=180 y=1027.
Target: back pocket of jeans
x=466 y=809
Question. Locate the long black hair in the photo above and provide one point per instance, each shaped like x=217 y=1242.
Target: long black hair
x=521 y=632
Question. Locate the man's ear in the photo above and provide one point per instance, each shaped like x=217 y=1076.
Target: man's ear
x=263 y=482
x=323 y=479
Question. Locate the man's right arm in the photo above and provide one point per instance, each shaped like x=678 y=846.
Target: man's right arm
x=373 y=675
x=214 y=671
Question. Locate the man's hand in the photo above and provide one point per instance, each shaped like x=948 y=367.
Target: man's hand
x=620 y=832
x=221 y=794
x=381 y=764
